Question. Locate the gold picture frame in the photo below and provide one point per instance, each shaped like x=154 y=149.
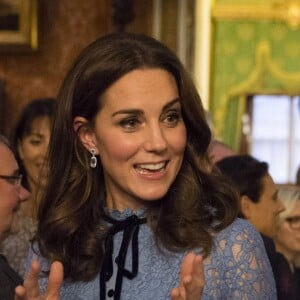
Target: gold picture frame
x=18 y=25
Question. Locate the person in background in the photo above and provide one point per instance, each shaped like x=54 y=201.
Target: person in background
x=287 y=241
x=30 y=140
x=219 y=150
x=12 y=193
x=131 y=210
x=259 y=201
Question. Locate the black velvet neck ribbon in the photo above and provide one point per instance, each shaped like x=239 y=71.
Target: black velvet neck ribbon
x=130 y=228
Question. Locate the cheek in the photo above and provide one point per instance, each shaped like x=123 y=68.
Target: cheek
x=8 y=205
x=115 y=148
x=283 y=234
x=178 y=140
x=28 y=153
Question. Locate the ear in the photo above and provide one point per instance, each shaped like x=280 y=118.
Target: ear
x=246 y=206
x=85 y=133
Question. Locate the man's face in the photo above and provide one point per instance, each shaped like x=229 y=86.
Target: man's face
x=263 y=214
x=11 y=193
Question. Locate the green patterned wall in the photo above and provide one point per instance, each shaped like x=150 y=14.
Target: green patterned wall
x=249 y=57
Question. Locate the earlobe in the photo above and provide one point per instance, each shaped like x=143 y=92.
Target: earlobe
x=85 y=133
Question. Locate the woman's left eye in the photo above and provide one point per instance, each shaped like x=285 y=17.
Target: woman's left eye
x=129 y=123
x=172 y=118
x=35 y=142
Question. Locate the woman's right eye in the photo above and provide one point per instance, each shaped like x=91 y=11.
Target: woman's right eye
x=129 y=123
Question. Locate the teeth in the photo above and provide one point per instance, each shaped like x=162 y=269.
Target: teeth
x=152 y=167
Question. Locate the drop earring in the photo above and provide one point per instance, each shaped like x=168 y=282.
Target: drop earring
x=93 y=160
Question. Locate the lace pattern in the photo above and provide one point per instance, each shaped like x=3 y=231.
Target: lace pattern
x=238 y=268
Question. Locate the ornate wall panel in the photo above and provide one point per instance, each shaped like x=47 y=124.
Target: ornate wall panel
x=255 y=50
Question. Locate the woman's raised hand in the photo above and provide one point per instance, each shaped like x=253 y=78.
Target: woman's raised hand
x=191 y=279
x=30 y=289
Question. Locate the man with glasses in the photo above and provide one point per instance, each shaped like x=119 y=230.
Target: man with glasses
x=12 y=193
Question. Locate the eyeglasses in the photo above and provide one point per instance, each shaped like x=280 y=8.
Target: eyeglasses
x=13 y=179
x=294 y=222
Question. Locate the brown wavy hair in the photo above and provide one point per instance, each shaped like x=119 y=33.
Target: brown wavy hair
x=71 y=227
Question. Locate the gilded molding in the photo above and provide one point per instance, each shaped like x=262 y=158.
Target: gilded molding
x=287 y=11
x=255 y=84
x=265 y=66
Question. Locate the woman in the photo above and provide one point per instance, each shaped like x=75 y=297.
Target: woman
x=287 y=241
x=131 y=201
x=30 y=141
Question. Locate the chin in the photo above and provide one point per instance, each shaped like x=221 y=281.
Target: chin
x=153 y=195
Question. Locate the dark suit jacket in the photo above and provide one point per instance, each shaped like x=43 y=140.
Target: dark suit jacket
x=9 y=279
x=287 y=283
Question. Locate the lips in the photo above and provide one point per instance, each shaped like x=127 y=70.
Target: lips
x=151 y=167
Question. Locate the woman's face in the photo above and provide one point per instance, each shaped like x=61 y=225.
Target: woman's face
x=33 y=151
x=140 y=137
x=288 y=235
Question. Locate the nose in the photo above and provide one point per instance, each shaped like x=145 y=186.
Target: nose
x=155 y=139
x=23 y=193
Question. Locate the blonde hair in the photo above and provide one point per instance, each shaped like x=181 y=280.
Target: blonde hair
x=288 y=196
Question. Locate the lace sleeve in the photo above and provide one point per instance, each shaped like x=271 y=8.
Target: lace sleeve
x=239 y=267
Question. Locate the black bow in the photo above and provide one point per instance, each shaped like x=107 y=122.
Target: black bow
x=130 y=226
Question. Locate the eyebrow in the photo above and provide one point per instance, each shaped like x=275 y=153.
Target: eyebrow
x=36 y=134
x=139 y=111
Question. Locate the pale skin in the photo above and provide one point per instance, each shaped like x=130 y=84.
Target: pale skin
x=142 y=112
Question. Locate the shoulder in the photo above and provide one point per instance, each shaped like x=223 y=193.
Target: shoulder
x=239 y=259
x=239 y=239
x=239 y=229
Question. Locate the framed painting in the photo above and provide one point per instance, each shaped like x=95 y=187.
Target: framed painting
x=18 y=25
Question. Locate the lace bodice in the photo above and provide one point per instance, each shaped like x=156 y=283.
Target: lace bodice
x=237 y=268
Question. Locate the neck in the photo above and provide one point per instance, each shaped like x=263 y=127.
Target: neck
x=112 y=203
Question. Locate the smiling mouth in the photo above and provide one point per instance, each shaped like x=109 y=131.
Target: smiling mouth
x=151 y=168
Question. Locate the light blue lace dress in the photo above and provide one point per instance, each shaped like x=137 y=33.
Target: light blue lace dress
x=237 y=268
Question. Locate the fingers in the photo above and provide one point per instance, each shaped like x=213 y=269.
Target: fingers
x=187 y=266
x=30 y=289
x=56 y=277
x=191 y=279
x=178 y=293
x=19 y=293
x=194 y=282
x=31 y=285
